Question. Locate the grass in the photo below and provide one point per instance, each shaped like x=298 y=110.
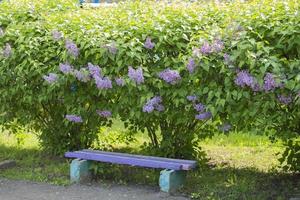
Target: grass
x=241 y=166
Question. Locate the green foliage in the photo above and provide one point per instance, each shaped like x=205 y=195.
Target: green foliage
x=261 y=38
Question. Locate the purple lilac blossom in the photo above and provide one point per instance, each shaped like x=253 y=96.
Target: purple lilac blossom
x=199 y=107
x=226 y=58
x=269 y=82
x=7 y=50
x=56 y=35
x=154 y=104
x=148 y=108
x=218 y=46
x=50 y=78
x=74 y=118
x=112 y=48
x=255 y=87
x=285 y=99
x=136 y=75
x=192 y=98
x=203 y=116
x=65 y=68
x=72 y=48
x=206 y=48
x=225 y=127
x=148 y=44
x=159 y=108
x=94 y=70
x=104 y=113
x=120 y=81
x=81 y=75
x=191 y=65
x=103 y=83
x=244 y=79
x=170 y=76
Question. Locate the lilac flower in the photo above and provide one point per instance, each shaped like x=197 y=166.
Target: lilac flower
x=196 y=52
x=225 y=127
x=56 y=35
x=159 y=108
x=74 y=118
x=120 y=81
x=218 y=46
x=112 y=48
x=298 y=94
x=244 y=79
x=192 y=98
x=155 y=100
x=148 y=108
x=1 y=32
x=269 y=82
x=154 y=104
x=255 y=87
x=72 y=48
x=65 y=68
x=170 y=76
x=203 y=116
x=81 y=75
x=103 y=83
x=104 y=113
x=148 y=44
x=50 y=78
x=285 y=99
x=239 y=28
x=226 y=58
x=206 y=48
x=7 y=50
x=136 y=75
x=199 y=107
x=94 y=70
x=191 y=65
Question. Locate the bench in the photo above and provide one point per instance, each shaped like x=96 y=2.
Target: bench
x=171 y=178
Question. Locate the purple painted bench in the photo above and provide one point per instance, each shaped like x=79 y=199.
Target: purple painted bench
x=170 y=179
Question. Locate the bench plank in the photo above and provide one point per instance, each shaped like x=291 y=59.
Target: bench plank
x=141 y=156
x=135 y=160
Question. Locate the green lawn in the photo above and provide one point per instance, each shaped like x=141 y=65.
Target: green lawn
x=241 y=166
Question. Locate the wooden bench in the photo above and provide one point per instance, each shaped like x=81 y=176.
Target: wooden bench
x=171 y=178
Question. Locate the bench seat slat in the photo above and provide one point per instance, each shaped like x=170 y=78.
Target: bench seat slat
x=129 y=160
x=192 y=162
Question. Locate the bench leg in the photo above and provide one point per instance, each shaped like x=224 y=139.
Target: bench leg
x=79 y=171
x=171 y=180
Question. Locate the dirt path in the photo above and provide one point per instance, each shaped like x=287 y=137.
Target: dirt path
x=24 y=190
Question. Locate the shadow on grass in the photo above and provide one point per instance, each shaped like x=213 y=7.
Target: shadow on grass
x=34 y=165
x=243 y=183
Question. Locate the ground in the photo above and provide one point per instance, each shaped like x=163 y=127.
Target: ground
x=241 y=166
x=16 y=190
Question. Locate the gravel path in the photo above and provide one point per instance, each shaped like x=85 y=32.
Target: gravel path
x=24 y=190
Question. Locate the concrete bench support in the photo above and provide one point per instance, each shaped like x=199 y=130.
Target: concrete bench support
x=80 y=171
x=171 y=180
